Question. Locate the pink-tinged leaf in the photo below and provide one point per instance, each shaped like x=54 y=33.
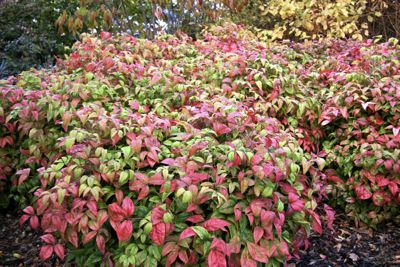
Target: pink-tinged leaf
x=168 y=161
x=183 y=256
x=29 y=210
x=45 y=252
x=238 y=211
x=187 y=233
x=195 y=218
x=34 y=222
x=336 y=179
x=344 y=112
x=124 y=230
x=89 y=236
x=394 y=188
x=364 y=194
x=142 y=177
x=48 y=239
x=220 y=128
x=215 y=224
x=316 y=222
x=216 y=259
x=143 y=193
x=258 y=233
x=59 y=250
x=155 y=79
x=157 y=233
x=255 y=160
x=101 y=244
x=221 y=246
x=168 y=247
x=157 y=179
x=282 y=249
x=128 y=207
x=171 y=258
x=134 y=105
x=295 y=202
x=269 y=247
x=72 y=236
x=257 y=252
x=306 y=166
x=330 y=214
x=115 y=212
x=23 y=219
x=24 y=174
x=246 y=261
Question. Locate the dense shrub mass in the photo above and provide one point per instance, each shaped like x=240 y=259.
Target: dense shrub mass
x=208 y=153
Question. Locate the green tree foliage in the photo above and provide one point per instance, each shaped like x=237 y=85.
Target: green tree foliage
x=28 y=36
x=303 y=19
x=144 y=17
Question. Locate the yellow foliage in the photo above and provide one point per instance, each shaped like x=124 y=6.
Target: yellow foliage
x=306 y=19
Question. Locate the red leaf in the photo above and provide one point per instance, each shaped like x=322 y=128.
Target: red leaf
x=157 y=233
x=48 y=239
x=115 y=212
x=195 y=218
x=34 y=222
x=171 y=258
x=183 y=256
x=221 y=246
x=186 y=233
x=215 y=224
x=238 y=211
x=89 y=236
x=255 y=160
x=295 y=203
x=29 y=210
x=258 y=233
x=143 y=193
x=23 y=219
x=59 y=251
x=336 y=179
x=45 y=252
x=364 y=194
x=72 y=236
x=168 y=248
x=316 y=222
x=258 y=253
x=124 y=230
x=330 y=214
x=220 y=128
x=101 y=244
x=157 y=179
x=216 y=259
x=24 y=174
x=128 y=207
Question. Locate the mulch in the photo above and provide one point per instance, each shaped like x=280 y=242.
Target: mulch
x=349 y=246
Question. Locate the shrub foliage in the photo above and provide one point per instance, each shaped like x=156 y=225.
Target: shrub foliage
x=173 y=152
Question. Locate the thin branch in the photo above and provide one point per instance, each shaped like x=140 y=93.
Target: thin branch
x=127 y=17
x=144 y=14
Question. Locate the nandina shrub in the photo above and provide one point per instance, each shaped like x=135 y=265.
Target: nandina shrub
x=145 y=155
x=345 y=103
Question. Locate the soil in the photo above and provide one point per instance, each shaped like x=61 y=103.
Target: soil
x=349 y=246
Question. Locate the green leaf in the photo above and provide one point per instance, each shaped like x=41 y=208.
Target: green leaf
x=95 y=257
x=201 y=232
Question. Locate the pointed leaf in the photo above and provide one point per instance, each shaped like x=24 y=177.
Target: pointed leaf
x=45 y=252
